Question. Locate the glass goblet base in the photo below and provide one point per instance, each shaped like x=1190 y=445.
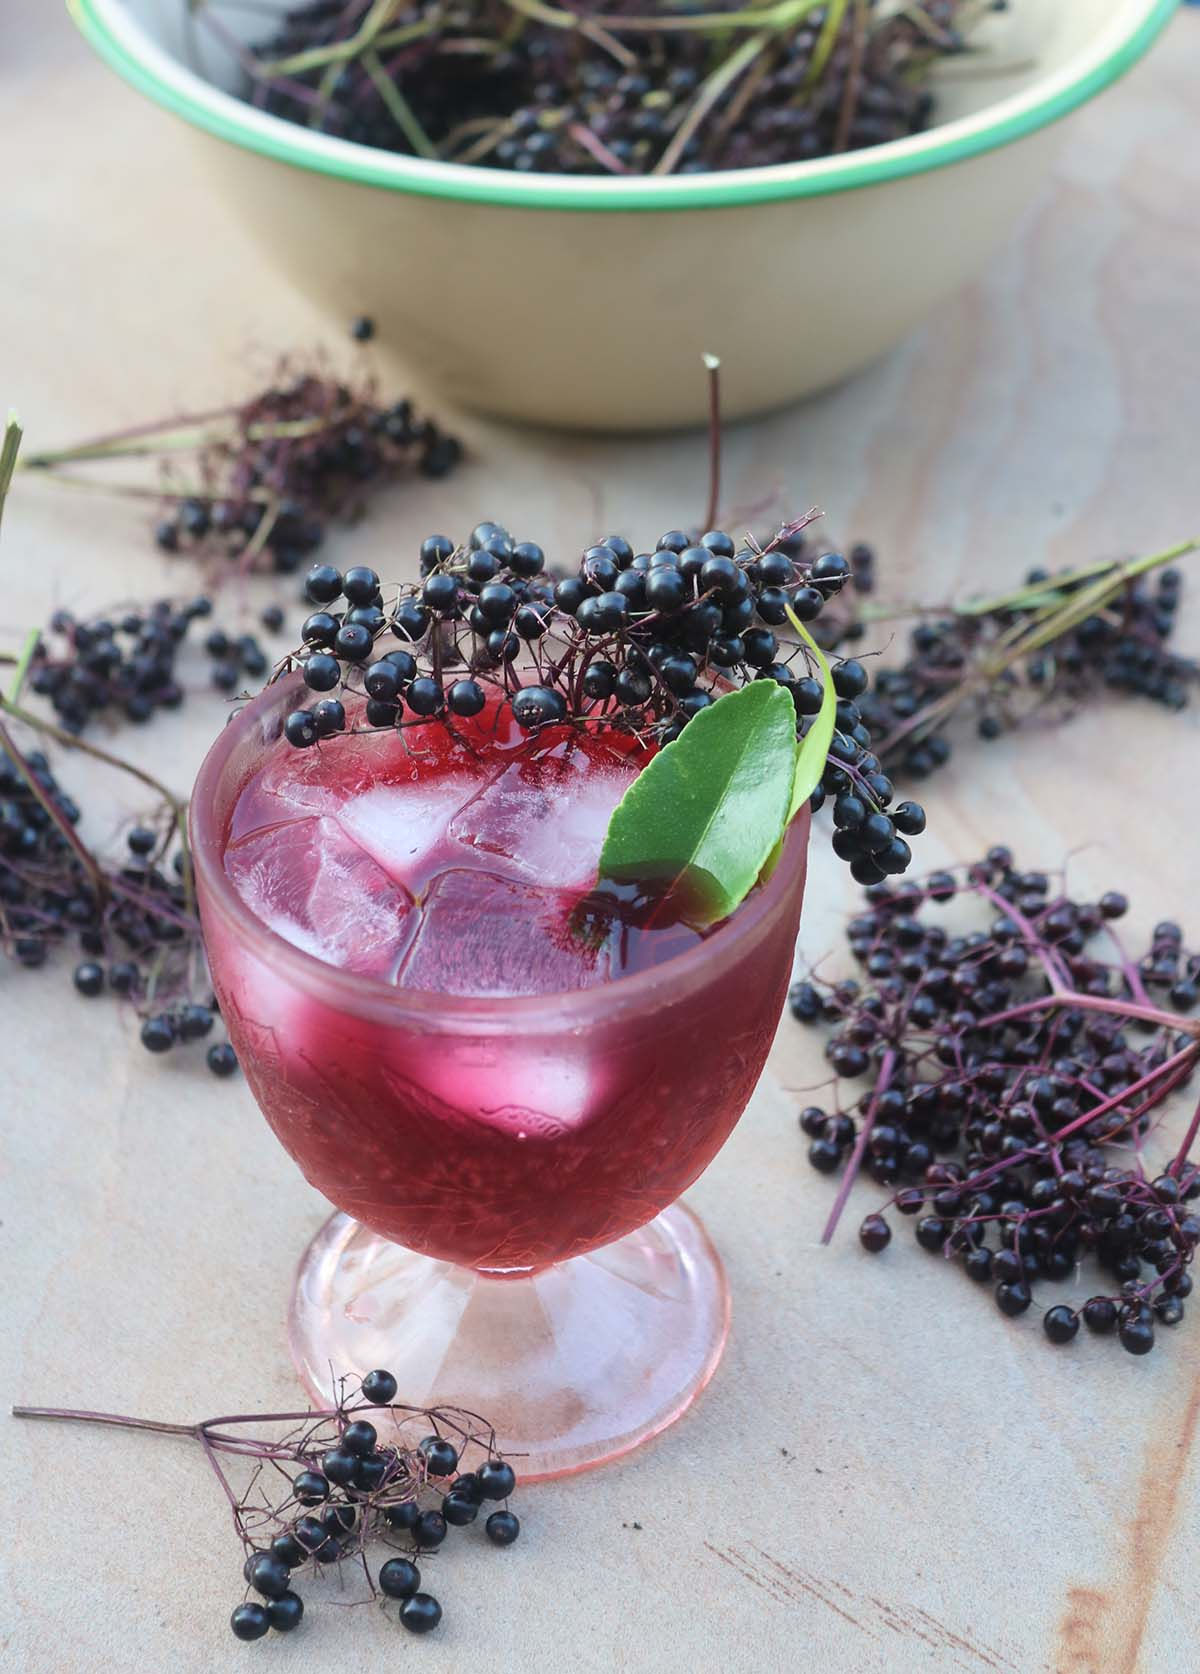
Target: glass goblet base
x=574 y=1365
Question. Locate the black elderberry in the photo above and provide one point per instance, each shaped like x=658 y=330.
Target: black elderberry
x=89 y=978
x=272 y=619
x=535 y=706
x=340 y=1466
x=380 y=714
x=250 y=1621
x=323 y=584
x=666 y=590
x=804 y=1002
x=824 y=1156
x=399 y=1578
x=502 y=1528
x=310 y=1532
x=467 y=1487
x=600 y=680
x=1060 y=1324
x=320 y=628
x=360 y=585
x=300 y=728
x=359 y=1438
x=874 y=1234
x=460 y=1509
x=496 y=603
x=425 y=696
x=288 y=1550
x=402 y=1517
x=158 y=1033
x=338 y=1520
x=830 y=573
x=286 y=1612
x=909 y=818
x=353 y=642
x=1136 y=1335
x=222 y=1059
x=410 y=621
x=527 y=559
x=441 y=1456
x=329 y=717
x=495 y=1479
x=931 y=1232
x=429 y=1530
x=465 y=698
x=268 y=1576
x=371 y=1472
x=1013 y=1298
x=382 y=681
x=421 y=1613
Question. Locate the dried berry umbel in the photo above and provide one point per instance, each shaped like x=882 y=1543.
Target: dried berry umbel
x=255 y=484
x=605 y=86
x=1014 y=1067
x=322 y=1489
x=640 y=642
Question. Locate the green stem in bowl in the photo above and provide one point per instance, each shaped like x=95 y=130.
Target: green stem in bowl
x=710 y=93
x=398 y=107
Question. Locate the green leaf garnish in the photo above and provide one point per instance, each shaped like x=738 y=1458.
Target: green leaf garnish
x=711 y=806
x=814 y=746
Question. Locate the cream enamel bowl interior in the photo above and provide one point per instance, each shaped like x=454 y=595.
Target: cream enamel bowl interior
x=587 y=303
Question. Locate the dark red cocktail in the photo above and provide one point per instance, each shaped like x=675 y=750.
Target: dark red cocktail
x=462 y=1046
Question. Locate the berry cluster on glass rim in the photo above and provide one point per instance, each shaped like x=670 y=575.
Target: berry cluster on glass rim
x=638 y=641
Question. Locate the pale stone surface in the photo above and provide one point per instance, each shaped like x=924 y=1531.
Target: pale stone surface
x=954 y=1495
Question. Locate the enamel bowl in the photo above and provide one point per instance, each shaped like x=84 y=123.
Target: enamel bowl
x=588 y=303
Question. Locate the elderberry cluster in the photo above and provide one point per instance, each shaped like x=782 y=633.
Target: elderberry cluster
x=299 y=453
x=637 y=641
x=125 y=664
x=1013 y=1073
x=355 y=1486
x=132 y=922
x=1123 y=648
x=546 y=99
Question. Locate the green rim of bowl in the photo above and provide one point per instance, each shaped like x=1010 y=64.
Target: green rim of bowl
x=187 y=95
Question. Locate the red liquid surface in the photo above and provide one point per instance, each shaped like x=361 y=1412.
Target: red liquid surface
x=487 y=1137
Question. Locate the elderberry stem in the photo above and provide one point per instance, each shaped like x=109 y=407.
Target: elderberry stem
x=52 y=810
x=71 y=742
x=853 y=88
x=1055 y=974
x=1182 y=1060
x=887 y=1065
x=710 y=93
x=116 y=1420
x=830 y=30
x=1095 y=1002
x=1189 y=1137
x=712 y=365
x=399 y=108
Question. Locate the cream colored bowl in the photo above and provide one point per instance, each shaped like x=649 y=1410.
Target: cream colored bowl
x=588 y=303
